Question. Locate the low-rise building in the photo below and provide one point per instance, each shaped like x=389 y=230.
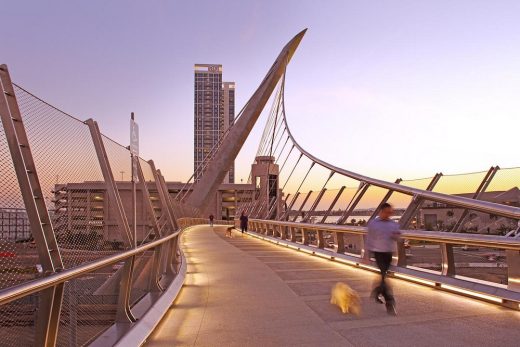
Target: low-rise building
x=437 y=216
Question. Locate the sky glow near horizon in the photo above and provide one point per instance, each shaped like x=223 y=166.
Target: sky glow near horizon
x=388 y=89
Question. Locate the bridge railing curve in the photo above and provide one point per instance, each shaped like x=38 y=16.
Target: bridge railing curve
x=463 y=230
x=76 y=268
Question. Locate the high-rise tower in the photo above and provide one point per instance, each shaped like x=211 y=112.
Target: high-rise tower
x=214 y=113
x=228 y=91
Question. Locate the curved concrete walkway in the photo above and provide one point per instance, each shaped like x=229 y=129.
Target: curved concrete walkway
x=242 y=291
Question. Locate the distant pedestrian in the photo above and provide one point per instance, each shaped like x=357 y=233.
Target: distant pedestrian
x=211 y=218
x=382 y=237
x=243 y=222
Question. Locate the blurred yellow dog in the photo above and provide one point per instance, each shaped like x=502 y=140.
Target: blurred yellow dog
x=346 y=298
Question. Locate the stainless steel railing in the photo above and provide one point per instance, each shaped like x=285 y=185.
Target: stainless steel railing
x=166 y=250
x=299 y=236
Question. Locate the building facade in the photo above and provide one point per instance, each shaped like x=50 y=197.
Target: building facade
x=83 y=213
x=228 y=94
x=14 y=224
x=214 y=113
x=442 y=217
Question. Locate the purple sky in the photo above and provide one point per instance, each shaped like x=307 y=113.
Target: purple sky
x=385 y=88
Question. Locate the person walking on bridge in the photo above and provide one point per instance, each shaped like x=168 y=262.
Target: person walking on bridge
x=211 y=218
x=243 y=222
x=382 y=237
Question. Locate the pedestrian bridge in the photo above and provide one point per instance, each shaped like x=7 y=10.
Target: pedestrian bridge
x=96 y=250
x=244 y=291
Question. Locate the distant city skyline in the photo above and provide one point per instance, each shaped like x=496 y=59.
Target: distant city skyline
x=394 y=89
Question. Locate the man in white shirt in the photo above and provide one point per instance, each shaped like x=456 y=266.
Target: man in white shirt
x=382 y=237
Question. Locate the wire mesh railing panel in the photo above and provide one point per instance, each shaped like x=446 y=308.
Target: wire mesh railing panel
x=444 y=217
x=463 y=184
x=18 y=322
x=84 y=223
x=141 y=278
x=71 y=179
x=506 y=179
x=119 y=158
x=61 y=145
x=80 y=224
x=88 y=307
x=18 y=255
x=147 y=170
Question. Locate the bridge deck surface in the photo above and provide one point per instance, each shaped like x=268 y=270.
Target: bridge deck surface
x=242 y=291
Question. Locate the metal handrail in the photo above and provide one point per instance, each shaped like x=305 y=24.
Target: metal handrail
x=488 y=241
x=21 y=290
x=459 y=201
x=16 y=292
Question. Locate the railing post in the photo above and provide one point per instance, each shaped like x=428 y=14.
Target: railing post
x=305 y=236
x=41 y=227
x=168 y=200
x=269 y=229
x=513 y=270
x=401 y=254
x=276 y=231
x=339 y=242
x=365 y=253
x=321 y=240
x=163 y=198
x=293 y=234
x=283 y=232
x=448 y=260
x=153 y=283
x=123 y=311
x=110 y=183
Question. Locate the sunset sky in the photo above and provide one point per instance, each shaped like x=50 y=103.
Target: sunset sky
x=386 y=88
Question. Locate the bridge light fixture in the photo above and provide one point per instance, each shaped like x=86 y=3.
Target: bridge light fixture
x=471 y=293
x=324 y=256
x=345 y=261
x=307 y=251
x=366 y=267
x=415 y=279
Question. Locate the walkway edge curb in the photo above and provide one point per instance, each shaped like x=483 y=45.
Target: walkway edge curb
x=146 y=324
